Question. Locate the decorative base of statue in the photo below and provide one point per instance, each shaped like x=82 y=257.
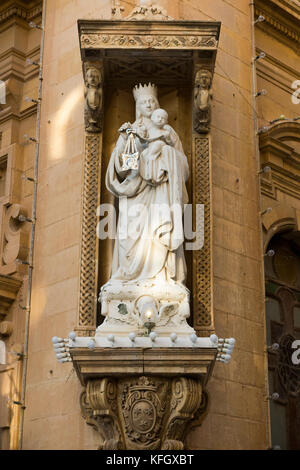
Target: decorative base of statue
x=128 y=306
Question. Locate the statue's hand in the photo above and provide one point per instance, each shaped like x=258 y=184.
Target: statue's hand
x=125 y=127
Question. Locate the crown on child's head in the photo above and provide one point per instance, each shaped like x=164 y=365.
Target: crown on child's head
x=142 y=90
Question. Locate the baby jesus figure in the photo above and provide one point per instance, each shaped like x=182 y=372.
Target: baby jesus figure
x=156 y=137
x=159 y=133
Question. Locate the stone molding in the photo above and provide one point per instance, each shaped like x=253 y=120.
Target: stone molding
x=279 y=22
x=140 y=42
x=282 y=158
x=276 y=72
x=17 y=10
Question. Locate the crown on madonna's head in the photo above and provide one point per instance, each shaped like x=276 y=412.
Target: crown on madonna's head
x=142 y=90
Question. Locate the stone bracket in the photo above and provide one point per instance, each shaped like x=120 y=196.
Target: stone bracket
x=143 y=398
x=136 y=414
x=178 y=35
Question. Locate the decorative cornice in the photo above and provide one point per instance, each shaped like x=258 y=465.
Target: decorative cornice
x=12 y=64
x=279 y=22
x=7 y=115
x=277 y=72
x=17 y=10
x=162 y=42
x=11 y=12
x=291 y=6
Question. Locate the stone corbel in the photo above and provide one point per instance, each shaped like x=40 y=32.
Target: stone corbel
x=135 y=413
x=99 y=409
x=143 y=399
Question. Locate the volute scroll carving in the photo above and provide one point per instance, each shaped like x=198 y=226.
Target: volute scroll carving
x=99 y=409
x=186 y=399
x=135 y=413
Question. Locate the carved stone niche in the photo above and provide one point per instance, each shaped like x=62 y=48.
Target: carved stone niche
x=143 y=399
x=178 y=57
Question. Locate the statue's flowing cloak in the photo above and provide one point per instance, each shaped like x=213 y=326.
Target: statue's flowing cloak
x=150 y=233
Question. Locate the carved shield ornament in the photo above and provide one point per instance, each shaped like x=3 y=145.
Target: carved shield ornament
x=143 y=406
x=143 y=416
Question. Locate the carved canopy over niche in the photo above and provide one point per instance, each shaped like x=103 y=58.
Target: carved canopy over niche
x=179 y=35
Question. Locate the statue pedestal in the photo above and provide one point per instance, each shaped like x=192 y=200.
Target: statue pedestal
x=143 y=398
x=126 y=304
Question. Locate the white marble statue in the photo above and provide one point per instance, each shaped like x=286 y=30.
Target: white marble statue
x=148 y=267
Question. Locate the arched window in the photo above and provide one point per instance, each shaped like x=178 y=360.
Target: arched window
x=282 y=273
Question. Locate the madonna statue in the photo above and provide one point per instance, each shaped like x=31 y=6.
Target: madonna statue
x=147 y=173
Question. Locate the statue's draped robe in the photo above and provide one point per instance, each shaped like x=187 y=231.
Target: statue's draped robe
x=150 y=234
